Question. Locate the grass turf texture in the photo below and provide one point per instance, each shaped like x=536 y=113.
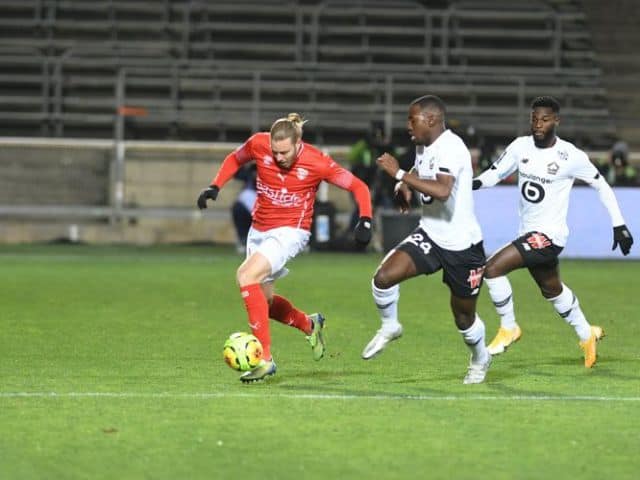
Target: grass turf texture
x=112 y=368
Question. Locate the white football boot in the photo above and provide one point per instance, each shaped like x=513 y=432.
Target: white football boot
x=379 y=341
x=477 y=372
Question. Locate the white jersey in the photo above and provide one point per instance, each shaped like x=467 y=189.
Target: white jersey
x=451 y=224
x=545 y=178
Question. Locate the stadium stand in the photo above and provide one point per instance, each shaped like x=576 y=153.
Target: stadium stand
x=199 y=70
x=68 y=178
x=216 y=70
x=616 y=38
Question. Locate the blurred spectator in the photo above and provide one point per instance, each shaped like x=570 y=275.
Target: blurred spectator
x=603 y=164
x=243 y=205
x=487 y=154
x=362 y=157
x=620 y=173
x=619 y=152
x=473 y=142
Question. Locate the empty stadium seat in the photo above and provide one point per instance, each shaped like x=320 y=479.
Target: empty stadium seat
x=207 y=70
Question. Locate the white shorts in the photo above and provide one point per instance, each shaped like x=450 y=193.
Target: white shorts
x=278 y=245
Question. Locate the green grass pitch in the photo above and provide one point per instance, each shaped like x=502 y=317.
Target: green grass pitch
x=111 y=368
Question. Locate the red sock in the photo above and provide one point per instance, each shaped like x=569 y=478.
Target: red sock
x=283 y=311
x=258 y=310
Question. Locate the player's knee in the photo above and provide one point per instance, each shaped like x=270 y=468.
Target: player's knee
x=383 y=280
x=464 y=311
x=464 y=320
x=491 y=271
x=245 y=276
x=550 y=291
x=240 y=277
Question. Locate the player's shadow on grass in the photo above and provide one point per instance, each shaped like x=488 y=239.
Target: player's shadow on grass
x=332 y=390
x=339 y=383
x=504 y=377
x=526 y=363
x=563 y=368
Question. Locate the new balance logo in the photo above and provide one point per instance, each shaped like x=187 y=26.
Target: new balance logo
x=475 y=277
x=538 y=241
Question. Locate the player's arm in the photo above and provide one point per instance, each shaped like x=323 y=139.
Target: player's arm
x=402 y=194
x=621 y=235
x=504 y=166
x=440 y=188
x=346 y=180
x=230 y=165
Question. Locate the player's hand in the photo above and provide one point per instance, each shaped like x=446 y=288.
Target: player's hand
x=476 y=184
x=402 y=197
x=622 y=237
x=209 y=192
x=362 y=232
x=388 y=163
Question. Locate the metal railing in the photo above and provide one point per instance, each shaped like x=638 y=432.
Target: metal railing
x=439 y=57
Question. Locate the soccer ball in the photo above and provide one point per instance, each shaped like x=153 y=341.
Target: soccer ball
x=242 y=351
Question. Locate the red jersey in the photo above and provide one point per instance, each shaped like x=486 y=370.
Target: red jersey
x=286 y=196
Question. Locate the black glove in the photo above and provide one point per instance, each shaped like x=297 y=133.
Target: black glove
x=476 y=184
x=362 y=232
x=209 y=192
x=622 y=236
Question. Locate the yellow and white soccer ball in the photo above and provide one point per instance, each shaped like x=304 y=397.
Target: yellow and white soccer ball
x=242 y=351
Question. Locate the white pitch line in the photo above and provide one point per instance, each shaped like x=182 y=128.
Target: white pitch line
x=319 y=396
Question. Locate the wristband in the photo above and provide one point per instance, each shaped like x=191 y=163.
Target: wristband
x=400 y=174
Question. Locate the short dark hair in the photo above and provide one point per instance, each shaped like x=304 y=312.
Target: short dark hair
x=546 y=101
x=430 y=101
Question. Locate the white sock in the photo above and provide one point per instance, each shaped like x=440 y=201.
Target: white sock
x=502 y=297
x=474 y=338
x=567 y=305
x=387 y=303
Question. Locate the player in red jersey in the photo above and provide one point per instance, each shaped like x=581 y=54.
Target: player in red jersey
x=289 y=172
